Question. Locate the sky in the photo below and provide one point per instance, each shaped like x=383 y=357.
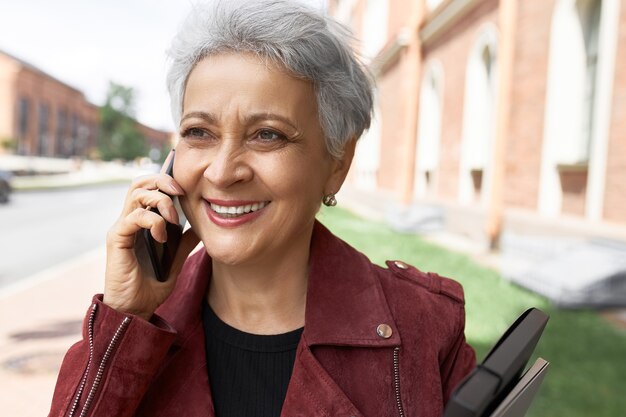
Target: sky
x=87 y=43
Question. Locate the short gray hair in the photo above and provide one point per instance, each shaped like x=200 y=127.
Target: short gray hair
x=307 y=43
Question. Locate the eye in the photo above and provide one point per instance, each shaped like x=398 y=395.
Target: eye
x=194 y=132
x=267 y=135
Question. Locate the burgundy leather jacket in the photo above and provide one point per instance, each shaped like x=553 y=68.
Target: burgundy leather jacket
x=376 y=342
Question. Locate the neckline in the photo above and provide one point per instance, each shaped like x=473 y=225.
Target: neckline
x=222 y=331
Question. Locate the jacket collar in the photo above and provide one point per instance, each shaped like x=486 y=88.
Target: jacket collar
x=345 y=300
x=183 y=308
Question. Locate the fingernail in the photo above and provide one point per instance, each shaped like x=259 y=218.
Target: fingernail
x=175 y=188
x=173 y=215
x=161 y=239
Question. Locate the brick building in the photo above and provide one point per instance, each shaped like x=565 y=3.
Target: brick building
x=505 y=115
x=43 y=116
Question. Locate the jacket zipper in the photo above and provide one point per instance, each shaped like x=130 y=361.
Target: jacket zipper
x=396 y=379
x=101 y=367
x=83 y=380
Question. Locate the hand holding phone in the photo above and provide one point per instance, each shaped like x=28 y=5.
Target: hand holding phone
x=156 y=258
x=145 y=249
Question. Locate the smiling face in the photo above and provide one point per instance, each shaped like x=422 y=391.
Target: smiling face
x=252 y=159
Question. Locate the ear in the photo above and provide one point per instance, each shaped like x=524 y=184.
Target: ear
x=340 y=168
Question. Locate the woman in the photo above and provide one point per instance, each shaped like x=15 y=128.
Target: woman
x=274 y=315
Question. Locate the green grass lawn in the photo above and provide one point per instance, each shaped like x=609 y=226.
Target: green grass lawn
x=587 y=374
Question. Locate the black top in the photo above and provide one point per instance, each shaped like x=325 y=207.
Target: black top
x=248 y=373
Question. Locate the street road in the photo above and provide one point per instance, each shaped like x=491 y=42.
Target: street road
x=41 y=229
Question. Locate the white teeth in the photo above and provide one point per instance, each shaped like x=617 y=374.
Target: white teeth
x=233 y=211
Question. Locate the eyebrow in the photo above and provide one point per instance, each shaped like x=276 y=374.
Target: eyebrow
x=207 y=117
x=248 y=119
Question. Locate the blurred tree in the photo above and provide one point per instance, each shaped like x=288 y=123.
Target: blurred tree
x=119 y=136
x=8 y=144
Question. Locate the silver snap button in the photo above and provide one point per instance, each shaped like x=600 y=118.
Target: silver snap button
x=384 y=331
x=401 y=265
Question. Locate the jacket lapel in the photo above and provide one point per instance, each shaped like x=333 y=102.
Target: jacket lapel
x=312 y=391
x=186 y=369
x=345 y=306
x=345 y=300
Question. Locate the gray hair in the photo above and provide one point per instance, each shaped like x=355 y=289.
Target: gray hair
x=307 y=43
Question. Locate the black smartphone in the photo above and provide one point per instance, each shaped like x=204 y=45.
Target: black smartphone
x=156 y=258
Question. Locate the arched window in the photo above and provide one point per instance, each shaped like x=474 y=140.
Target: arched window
x=570 y=103
x=479 y=120
x=590 y=18
x=367 y=153
x=429 y=131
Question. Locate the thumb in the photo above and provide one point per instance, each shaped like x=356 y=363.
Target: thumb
x=188 y=242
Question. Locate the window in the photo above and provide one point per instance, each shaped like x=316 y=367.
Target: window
x=367 y=154
x=479 y=119
x=572 y=80
x=479 y=124
x=429 y=131
x=23 y=117
x=23 y=106
x=42 y=135
x=60 y=134
x=74 y=135
x=590 y=19
x=570 y=115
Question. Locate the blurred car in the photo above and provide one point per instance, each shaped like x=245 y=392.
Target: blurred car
x=5 y=186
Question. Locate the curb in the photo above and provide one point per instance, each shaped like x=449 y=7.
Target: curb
x=49 y=273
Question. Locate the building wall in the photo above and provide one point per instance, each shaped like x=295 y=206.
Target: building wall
x=615 y=189
x=72 y=123
x=398 y=75
x=452 y=50
x=393 y=150
x=523 y=148
x=399 y=14
x=8 y=72
x=579 y=186
x=62 y=138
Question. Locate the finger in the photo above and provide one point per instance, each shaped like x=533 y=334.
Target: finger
x=160 y=181
x=140 y=219
x=188 y=242
x=154 y=182
x=143 y=198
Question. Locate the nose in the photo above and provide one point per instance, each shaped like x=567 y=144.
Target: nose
x=228 y=166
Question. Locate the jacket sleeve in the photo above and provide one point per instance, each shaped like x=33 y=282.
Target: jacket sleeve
x=459 y=362
x=108 y=372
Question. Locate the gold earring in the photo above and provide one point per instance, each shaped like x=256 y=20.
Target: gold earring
x=330 y=200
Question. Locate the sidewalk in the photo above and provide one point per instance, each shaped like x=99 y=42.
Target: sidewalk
x=50 y=173
x=40 y=318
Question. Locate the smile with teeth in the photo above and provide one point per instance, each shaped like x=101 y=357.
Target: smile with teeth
x=236 y=211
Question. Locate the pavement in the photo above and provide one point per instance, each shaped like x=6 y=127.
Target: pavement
x=40 y=318
x=41 y=315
